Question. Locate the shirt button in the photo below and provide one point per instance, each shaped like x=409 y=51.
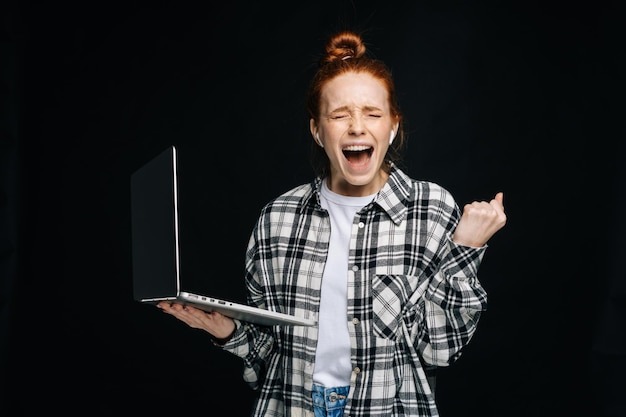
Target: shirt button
x=361 y=225
x=355 y=268
x=357 y=370
x=355 y=320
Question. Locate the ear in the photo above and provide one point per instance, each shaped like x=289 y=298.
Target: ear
x=394 y=132
x=315 y=132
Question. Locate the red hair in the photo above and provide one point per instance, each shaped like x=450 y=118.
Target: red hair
x=346 y=52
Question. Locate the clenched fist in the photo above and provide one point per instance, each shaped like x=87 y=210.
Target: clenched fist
x=480 y=220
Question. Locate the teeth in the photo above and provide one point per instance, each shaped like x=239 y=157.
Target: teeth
x=356 y=148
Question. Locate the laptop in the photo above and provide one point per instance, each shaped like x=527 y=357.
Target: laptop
x=156 y=247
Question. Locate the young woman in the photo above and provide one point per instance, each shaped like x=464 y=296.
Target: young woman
x=386 y=264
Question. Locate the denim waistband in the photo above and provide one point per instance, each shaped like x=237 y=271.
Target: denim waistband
x=330 y=398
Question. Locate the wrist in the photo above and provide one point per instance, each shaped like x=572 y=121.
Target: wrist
x=224 y=340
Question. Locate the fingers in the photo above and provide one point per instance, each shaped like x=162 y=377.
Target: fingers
x=213 y=322
x=176 y=309
x=188 y=314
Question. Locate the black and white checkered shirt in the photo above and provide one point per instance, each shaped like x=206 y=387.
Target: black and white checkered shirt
x=414 y=298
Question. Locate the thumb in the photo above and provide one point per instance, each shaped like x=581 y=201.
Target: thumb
x=500 y=198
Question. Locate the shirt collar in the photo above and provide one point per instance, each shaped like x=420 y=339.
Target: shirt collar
x=392 y=198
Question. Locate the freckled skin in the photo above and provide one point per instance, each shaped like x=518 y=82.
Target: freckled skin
x=355 y=111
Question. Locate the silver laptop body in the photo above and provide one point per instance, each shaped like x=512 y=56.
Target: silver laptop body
x=156 y=247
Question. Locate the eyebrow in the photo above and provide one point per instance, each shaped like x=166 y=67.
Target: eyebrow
x=347 y=109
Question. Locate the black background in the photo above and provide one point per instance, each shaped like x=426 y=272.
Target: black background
x=518 y=96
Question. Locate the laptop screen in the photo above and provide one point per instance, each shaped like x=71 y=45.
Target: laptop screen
x=154 y=221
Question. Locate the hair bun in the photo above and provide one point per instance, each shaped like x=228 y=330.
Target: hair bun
x=342 y=46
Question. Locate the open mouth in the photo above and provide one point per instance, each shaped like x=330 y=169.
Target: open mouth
x=358 y=154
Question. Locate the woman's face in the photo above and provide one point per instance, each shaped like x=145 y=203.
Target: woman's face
x=355 y=127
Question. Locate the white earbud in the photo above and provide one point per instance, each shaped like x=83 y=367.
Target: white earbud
x=319 y=142
x=392 y=136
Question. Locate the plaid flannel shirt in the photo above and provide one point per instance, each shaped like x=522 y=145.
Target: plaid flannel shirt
x=414 y=299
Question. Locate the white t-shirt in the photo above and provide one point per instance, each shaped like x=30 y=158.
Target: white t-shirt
x=332 y=358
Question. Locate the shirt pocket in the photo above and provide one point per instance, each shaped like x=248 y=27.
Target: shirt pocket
x=390 y=295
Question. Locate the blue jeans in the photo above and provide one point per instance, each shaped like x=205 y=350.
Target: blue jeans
x=329 y=402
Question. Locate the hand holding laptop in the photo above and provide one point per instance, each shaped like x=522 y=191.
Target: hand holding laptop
x=217 y=324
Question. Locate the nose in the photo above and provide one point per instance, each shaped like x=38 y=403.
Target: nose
x=356 y=124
